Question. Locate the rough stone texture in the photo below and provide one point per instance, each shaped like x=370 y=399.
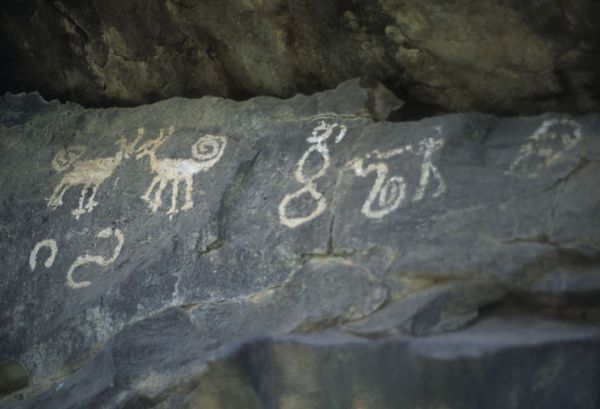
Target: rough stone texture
x=509 y=361
x=322 y=259
x=498 y=56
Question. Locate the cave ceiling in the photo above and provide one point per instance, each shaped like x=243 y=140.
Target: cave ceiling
x=497 y=56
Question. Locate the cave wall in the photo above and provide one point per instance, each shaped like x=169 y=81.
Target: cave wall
x=257 y=247
x=296 y=253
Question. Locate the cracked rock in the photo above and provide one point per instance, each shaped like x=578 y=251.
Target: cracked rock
x=149 y=253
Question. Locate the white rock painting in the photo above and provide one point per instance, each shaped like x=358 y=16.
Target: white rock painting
x=426 y=148
x=88 y=173
x=206 y=152
x=50 y=244
x=546 y=146
x=388 y=193
x=318 y=146
x=100 y=260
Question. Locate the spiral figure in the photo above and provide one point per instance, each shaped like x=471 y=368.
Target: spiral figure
x=387 y=194
x=209 y=148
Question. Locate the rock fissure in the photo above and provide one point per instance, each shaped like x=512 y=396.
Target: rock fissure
x=228 y=200
x=580 y=167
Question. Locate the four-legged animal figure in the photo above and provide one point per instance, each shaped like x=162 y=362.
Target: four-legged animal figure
x=89 y=173
x=206 y=153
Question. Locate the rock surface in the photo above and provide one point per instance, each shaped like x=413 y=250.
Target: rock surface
x=298 y=253
x=495 y=56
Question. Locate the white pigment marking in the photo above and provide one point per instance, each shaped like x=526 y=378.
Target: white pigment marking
x=102 y=261
x=550 y=154
x=318 y=144
x=206 y=152
x=89 y=173
x=48 y=243
x=426 y=148
x=390 y=194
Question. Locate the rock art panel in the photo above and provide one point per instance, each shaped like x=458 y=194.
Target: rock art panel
x=311 y=216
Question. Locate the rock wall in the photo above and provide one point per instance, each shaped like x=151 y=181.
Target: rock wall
x=298 y=253
x=497 y=56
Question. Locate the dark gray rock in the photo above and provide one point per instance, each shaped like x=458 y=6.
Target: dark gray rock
x=507 y=360
x=439 y=308
x=308 y=215
x=497 y=56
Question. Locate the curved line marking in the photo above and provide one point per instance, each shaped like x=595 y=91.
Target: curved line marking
x=48 y=243
x=87 y=259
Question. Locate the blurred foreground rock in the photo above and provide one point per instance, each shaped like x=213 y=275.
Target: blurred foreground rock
x=297 y=253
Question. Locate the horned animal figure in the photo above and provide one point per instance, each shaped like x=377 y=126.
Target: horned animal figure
x=89 y=173
x=206 y=152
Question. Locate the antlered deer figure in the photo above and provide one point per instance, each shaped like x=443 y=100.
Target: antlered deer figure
x=206 y=152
